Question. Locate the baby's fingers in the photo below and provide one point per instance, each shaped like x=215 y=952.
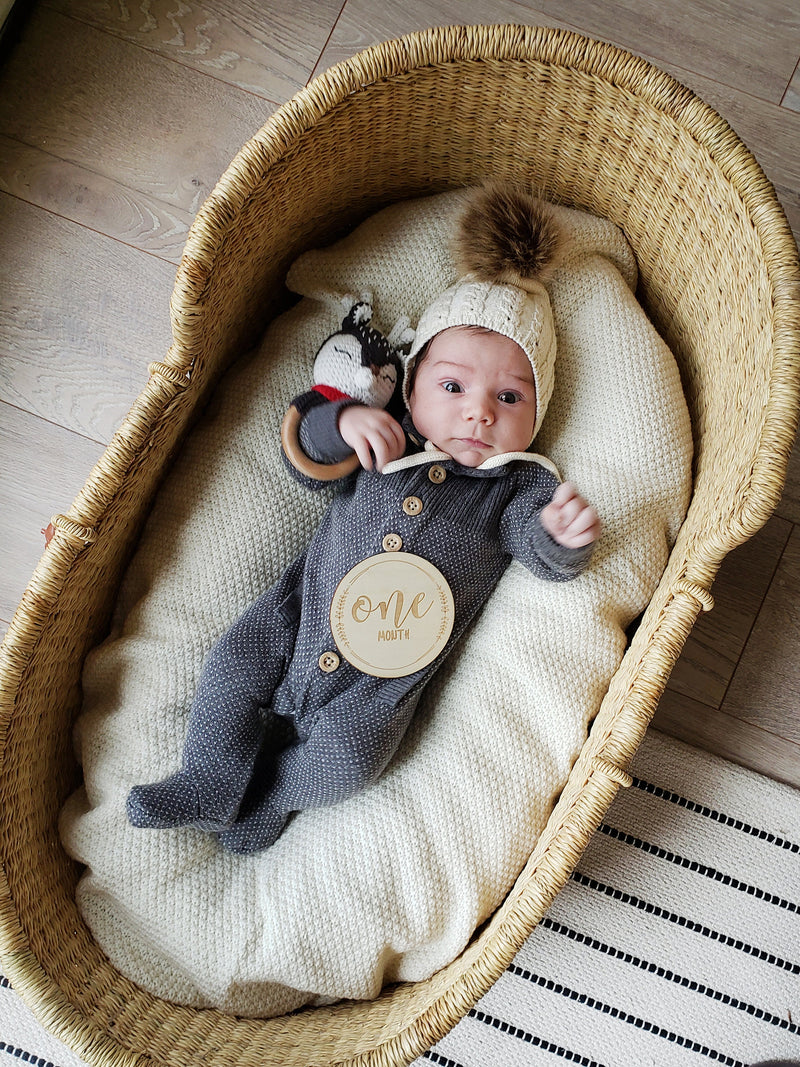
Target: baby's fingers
x=568 y=518
x=584 y=528
x=382 y=451
x=569 y=511
x=387 y=445
x=363 y=449
x=565 y=492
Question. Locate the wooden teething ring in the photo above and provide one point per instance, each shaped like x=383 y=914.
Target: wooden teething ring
x=322 y=472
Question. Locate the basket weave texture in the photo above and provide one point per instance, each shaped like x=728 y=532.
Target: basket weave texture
x=592 y=127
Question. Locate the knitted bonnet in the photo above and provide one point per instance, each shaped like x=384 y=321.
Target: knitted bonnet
x=506 y=243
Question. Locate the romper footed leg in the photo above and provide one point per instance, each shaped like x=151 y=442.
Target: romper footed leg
x=346 y=751
x=226 y=726
x=171 y=802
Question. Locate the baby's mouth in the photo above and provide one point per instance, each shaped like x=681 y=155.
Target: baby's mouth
x=473 y=442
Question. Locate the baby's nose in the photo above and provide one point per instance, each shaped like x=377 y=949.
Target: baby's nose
x=480 y=409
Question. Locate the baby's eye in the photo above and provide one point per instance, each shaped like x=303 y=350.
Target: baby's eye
x=509 y=398
x=452 y=387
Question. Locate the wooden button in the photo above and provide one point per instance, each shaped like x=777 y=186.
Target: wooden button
x=412 y=505
x=437 y=474
x=328 y=662
x=392 y=542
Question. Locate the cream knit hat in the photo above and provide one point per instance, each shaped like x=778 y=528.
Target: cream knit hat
x=507 y=242
x=523 y=315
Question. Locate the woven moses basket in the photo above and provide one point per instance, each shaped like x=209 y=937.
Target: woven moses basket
x=594 y=128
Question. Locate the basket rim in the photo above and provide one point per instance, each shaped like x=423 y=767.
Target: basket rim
x=380 y=62
x=440 y=45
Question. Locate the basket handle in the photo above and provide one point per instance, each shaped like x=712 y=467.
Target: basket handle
x=696 y=592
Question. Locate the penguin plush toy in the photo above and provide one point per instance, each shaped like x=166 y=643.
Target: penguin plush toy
x=357 y=362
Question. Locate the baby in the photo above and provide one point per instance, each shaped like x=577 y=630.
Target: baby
x=291 y=711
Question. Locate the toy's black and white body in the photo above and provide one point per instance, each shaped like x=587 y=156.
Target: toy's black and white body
x=356 y=365
x=358 y=361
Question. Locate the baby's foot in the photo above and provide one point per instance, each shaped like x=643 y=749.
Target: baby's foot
x=173 y=802
x=254 y=832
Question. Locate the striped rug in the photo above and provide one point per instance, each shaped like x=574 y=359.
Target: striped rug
x=676 y=942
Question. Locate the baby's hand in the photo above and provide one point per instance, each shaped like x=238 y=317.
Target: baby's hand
x=569 y=519
x=372 y=432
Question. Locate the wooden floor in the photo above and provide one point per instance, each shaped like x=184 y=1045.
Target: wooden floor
x=116 y=121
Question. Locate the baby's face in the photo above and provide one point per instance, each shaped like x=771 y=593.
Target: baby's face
x=474 y=395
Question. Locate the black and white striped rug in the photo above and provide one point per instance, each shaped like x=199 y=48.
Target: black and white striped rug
x=676 y=942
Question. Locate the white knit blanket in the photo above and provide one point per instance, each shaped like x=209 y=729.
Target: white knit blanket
x=391 y=884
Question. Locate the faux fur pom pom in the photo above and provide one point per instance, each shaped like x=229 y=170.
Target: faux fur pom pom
x=507 y=235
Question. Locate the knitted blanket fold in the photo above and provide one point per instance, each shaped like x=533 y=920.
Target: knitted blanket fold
x=389 y=885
